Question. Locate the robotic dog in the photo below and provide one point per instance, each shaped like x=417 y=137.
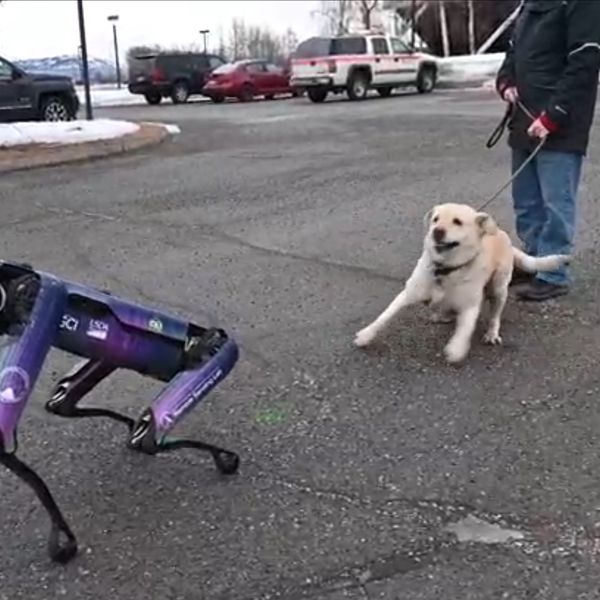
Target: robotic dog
x=39 y=311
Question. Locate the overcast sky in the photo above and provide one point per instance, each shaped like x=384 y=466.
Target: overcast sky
x=38 y=28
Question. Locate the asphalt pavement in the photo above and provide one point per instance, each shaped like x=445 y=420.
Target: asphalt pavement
x=380 y=474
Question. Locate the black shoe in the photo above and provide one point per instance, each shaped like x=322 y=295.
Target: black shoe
x=538 y=291
x=519 y=277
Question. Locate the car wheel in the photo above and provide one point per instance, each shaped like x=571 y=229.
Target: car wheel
x=55 y=108
x=247 y=93
x=385 y=92
x=358 y=86
x=153 y=98
x=317 y=94
x=217 y=99
x=426 y=80
x=269 y=97
x=181 y=92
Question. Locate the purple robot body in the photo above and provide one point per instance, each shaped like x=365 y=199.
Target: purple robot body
x=22 y=358
x=39 y=311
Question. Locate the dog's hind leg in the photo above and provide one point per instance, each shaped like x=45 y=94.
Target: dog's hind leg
x=416 y=290
x=497 y=303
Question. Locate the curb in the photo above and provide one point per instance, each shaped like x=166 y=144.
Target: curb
x=22 y=158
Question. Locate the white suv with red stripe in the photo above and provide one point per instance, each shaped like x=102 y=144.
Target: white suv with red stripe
x=357 y=63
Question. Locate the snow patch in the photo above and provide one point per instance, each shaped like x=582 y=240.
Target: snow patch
x=106 y=95
x=67 y=132
x=470 y=67
x=472 y=529
x=109 y=95
x=169 y=127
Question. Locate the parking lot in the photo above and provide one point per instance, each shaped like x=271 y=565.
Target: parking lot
x=292 y=225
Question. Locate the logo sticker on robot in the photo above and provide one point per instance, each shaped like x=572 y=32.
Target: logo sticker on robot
x=14 y=385
x=69 y=323
x=155 y=325
x=97 y=329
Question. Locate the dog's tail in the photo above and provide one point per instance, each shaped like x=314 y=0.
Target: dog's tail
x=532 y=264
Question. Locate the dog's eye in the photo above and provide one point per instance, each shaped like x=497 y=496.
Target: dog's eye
x=436 y=219
x=457 y=222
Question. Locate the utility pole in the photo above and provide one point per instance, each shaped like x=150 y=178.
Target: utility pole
x=84 y=61
x=471 y=11
x=114 y=19
x=444 y=26
x=413 y=14
x=204 y=33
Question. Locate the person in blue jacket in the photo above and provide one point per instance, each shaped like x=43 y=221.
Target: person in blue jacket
x=552 y=67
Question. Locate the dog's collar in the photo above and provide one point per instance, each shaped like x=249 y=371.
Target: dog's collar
x=441 y=270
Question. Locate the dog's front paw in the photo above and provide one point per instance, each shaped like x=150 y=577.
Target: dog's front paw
x=456 y=352
x=442 y=318
x=364 y=337
x=493 y=338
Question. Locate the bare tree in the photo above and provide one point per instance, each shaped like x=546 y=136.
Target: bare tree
x=487 y=23
x=366 y=8
x=238 y=42
x=259 y=42
x=336 y=15
x=221 y=49
x=290 y=42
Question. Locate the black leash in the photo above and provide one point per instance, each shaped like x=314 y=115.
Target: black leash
x=501 y=127
x=495 y=138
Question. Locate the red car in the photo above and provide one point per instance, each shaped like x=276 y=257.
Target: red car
x=247 y=79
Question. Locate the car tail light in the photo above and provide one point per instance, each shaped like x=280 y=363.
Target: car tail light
x=157 y=75
x=332 y=66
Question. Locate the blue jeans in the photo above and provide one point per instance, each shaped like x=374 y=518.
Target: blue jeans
x=544 y=197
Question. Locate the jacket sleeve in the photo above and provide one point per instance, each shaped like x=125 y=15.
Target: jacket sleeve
x=582 y=65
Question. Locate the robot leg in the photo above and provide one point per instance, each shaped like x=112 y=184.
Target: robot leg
x=210 y=359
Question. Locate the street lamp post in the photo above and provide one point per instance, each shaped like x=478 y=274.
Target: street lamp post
x=204 y=33
x=114 y=19
x=84 y=61
x=413 y=11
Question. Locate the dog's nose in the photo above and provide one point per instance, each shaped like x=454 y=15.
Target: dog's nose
x=438 y=234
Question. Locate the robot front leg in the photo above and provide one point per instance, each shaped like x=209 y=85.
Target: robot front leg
x=31 y=311
x=215 y=359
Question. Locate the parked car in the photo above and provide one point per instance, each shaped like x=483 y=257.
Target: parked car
x=178 y=76
x=356 y=64
x=247 y=79
x=27 y=97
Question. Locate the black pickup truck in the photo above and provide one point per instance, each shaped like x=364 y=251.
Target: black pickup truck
x=29 y=97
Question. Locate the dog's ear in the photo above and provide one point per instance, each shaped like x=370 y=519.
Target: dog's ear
x=427 y=217
x=486 y=224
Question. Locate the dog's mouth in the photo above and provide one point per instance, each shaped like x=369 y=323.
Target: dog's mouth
x=445 y=246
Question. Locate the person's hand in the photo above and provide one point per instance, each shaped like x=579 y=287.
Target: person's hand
x=510 y=95
x=538 y=130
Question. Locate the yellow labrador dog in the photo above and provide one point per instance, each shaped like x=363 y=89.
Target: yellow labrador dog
x=466 y=258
